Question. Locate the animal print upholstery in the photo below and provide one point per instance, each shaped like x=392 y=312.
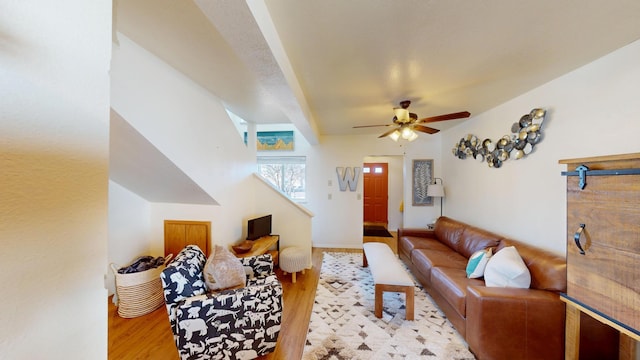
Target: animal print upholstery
x=233 y=324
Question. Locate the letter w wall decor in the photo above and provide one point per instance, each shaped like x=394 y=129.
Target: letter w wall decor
x=348 y=177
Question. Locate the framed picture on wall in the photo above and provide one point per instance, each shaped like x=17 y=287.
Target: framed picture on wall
x=273 y=140
x=422 y=176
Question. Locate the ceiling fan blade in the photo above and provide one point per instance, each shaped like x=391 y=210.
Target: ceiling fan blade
x=387 y=133
x=452 y=116
x=368 y=126
x=425 y=129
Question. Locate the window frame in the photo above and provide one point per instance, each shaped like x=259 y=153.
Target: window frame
x=283 y=161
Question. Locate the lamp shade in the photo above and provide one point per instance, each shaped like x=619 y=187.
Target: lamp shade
x=435 y=190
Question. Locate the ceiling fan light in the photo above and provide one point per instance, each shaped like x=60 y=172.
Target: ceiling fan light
x=395 y=135
x=406 y=132
x=413 y=136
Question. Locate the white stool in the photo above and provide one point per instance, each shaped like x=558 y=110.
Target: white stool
x=294 y=259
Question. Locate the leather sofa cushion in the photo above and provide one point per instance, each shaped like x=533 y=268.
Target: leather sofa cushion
x=451 y=284
x=548 y=271
x=410 y=243
x=426 y=259
x=474 y=239
x=417 y=232
x=435 y=258
x=463 y=238
x=448 y=231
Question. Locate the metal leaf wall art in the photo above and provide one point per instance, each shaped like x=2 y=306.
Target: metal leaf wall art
x=422 y=177
x=525 y=134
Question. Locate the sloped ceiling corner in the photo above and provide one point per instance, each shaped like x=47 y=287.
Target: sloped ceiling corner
x=137 y=165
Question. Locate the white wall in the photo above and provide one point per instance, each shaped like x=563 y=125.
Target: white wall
x=166 y=211
x=192 y=128
x=129 y=229
x=591 y=111
x=426 y=147
x=338 y=221
x=293 y=222
x=54 y=128
x=289 y=221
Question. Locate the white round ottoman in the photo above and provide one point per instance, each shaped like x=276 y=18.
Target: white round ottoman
x=294 y=259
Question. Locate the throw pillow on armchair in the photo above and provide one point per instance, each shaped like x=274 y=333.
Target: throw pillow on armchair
x=223 y=270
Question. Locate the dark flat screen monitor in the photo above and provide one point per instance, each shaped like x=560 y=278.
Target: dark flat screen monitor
x=258 y=227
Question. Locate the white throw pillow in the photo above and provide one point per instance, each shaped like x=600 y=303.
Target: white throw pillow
x=477 y=263
x=506 y=269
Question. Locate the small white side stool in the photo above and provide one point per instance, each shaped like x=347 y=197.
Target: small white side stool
x=294 y=259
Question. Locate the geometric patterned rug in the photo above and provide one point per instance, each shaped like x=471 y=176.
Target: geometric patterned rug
x=343 y=325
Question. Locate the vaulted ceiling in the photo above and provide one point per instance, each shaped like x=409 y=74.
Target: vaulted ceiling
x=329 y=65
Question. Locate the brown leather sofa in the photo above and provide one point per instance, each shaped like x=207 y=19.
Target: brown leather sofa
x=497 y=323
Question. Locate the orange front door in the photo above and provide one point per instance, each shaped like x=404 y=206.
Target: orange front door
x=375 y=192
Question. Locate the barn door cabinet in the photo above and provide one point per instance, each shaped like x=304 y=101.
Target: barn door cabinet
x=603 y=247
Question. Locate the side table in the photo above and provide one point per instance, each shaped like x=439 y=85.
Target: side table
x=262 y=246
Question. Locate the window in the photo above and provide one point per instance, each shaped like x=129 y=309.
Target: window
x=376 y=170
x=287 y=173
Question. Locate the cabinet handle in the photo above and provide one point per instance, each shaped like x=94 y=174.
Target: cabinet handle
x=576 y=238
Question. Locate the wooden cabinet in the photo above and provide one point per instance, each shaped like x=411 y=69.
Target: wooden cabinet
x=180 y=233
x=603 y=240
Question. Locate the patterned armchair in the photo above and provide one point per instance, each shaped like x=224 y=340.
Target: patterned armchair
x=232 y=324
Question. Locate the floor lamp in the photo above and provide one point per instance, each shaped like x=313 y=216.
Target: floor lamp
x=436 y=190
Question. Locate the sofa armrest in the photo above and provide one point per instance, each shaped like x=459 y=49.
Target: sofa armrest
x=262 y=265
x=229 y=317
x=508 y=323
x=417 y=232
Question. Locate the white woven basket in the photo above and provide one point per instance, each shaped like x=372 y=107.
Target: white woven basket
x=139 y=293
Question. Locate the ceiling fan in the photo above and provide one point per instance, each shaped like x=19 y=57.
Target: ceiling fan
x=408 y=123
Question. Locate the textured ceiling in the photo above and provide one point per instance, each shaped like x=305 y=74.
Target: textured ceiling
x=329 y=65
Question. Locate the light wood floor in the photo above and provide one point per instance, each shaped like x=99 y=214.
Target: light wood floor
x=150 y=337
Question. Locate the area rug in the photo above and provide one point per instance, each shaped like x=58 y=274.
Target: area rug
x=375 y=230
x=343 y=325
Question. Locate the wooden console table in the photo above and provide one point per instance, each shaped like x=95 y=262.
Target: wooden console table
x=628 y=336
x=262 y=246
